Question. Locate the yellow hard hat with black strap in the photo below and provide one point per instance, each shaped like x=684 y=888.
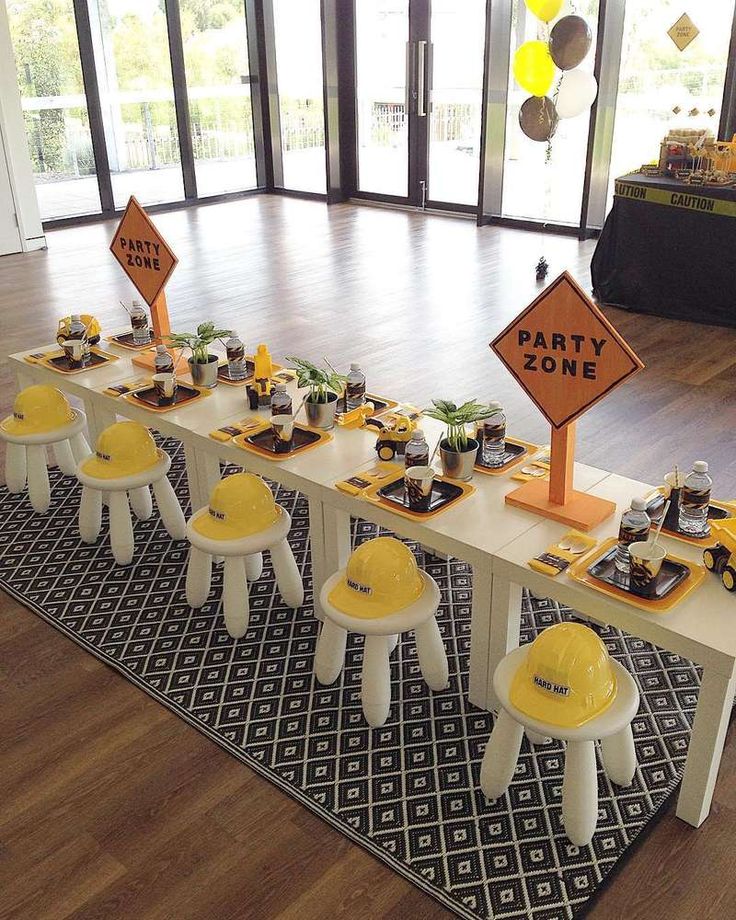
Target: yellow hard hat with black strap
x=122 y=449
x=240 y=505
x=567 y=677
x=38 y=409
x=381 y=578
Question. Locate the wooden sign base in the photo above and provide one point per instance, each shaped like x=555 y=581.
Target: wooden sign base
x=581 y=510
x=557 y=499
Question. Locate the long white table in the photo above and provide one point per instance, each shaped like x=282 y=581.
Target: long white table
x=497 y=540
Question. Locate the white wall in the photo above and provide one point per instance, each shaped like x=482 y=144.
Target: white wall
x=20 y=221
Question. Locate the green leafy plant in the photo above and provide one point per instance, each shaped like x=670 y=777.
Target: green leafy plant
x=320 y=380
x=456 y=418
x=199 y=341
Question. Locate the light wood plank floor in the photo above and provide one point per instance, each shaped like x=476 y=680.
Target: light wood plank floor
x=110 y=807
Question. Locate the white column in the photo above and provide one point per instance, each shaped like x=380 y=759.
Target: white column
x=504 y=627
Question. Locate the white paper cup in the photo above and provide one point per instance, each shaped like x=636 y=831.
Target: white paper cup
x=646 y=562
x=283 y=433
x=418 y=481
x=165 y=385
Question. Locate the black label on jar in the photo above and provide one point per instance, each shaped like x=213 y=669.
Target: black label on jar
x=694 y=499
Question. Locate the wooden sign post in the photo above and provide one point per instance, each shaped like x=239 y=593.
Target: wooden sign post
x=567 y=356
x=148 y=261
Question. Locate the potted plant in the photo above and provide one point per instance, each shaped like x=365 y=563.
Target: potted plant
x=457 y=451
x=202 y=364
x=325 y=387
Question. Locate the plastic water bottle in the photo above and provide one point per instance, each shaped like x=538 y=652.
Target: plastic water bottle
x=163 y=363
x=635 y=524
x=355 y=387
x=695 y=500
x=280 y=400
x=494 y=436
x=237 y=368
x=139 y=324
x=416 y=452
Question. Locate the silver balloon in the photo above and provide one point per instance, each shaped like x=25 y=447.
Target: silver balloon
x=538 y=118
x=569 y=41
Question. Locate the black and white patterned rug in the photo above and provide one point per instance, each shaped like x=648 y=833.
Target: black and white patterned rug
x=408 y=792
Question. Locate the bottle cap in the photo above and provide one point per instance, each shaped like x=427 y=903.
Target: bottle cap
x=496 y=406
x=76 y=318
x=279 y=388
x=354 y=367
x=161 y=350
x=417 y=435
x=700 y=466
x=135 y=303
x=233 y=334
x=638 y=504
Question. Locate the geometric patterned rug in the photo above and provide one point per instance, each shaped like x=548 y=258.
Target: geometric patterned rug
x=407 y=792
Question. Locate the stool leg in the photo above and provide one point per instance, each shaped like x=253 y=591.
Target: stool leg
x=122 y=541
x=535 y=737
x=580 y=792
x=170 y=509
x=619 y=756
x=431 y=654
x=199 y=577
x=90 y=514
x=15 y=467
x=140 y=502
x=64 y=457
x=235 y=596
x=330 y=654
x=393 y=641
x=376 y=681
x=500 y=756
x=38 y=478
x=288 y=577
x=80 y=447
x=254 y=566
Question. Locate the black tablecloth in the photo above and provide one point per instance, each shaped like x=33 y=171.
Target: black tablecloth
x=669 y=249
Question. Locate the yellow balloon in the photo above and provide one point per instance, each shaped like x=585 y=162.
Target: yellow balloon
x=534 y=68
x=544 y=9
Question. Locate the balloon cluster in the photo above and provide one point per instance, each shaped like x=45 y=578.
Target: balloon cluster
x=568 y=43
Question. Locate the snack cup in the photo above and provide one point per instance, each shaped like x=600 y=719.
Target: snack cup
x=283 y=433
x=418 y=482
x=74 y=351
x=165 y=385
x=646 y=562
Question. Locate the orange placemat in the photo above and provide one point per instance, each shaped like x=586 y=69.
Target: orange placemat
x=395 y=486
x=261 y=443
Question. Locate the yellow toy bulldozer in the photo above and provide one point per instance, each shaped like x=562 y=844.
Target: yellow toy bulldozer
x=721 y=558
x=392 y=436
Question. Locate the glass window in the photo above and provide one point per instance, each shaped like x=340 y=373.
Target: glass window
x=298 y=30
x=458 y=32
x=536 y=187
x=382 y=31
x=216 y=60
x=656 y=77
x=54 y=107
x=136 y=92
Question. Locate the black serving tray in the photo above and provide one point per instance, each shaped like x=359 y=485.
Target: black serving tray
x=62 y=363
x=126 y=340
x=510 y=454
x=302 y=438
x=671 y=523
x=443 y=494
x=149 y=397
x=222 y=374
x=670 y=576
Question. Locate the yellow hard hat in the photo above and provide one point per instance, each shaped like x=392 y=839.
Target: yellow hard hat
x=381 y=578
x=122 y=449
x=567 y=678
x=38 y=409
x=240 y=505
x=93 y=327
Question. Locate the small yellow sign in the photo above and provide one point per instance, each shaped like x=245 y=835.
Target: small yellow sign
x=683 y=32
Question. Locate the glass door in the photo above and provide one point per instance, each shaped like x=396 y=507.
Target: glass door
x=419 y=86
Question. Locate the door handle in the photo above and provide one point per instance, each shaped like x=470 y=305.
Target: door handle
x=421 y=71
x=411 y=66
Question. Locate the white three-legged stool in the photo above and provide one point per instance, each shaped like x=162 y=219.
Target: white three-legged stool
x=25 y=458
x=381 y=637
x=243 y=562
x=580 y=783
x=117 y=491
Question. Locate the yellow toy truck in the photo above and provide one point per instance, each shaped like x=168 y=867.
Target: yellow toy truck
x=393 y=436
x=721 y=558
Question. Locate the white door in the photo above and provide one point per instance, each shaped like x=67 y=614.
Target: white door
x=9 y=233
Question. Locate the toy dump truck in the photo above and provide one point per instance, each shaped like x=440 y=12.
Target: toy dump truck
x=392 y=436
x=721 y=558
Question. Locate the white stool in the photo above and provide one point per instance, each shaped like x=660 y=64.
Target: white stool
x=25 y=458
x=243 y=562
x=381 y=637
x=117 y=491
x=580 y=784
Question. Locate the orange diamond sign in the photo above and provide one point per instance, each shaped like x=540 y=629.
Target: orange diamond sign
x=144 y=254
x=564 y=352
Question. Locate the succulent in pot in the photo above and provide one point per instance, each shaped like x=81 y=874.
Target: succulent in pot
x=458 y=451
x=325 y=386
x=202 y=364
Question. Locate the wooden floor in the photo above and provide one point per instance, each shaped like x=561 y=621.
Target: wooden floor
x=111 y=807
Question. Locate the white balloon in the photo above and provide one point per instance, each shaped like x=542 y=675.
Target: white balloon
x=577 y=93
